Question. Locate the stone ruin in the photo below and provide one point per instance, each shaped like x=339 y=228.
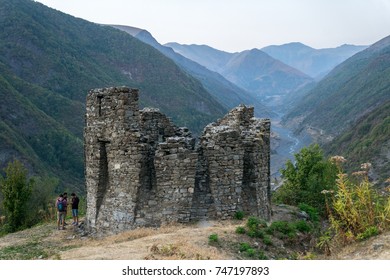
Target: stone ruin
x=142 y=170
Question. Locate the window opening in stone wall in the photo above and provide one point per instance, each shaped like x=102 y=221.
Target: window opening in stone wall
x=161 y=137
x=103 y=175
x=248 y=183
x=99 y=99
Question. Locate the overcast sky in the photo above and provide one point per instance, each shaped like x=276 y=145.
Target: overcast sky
x=236 y=25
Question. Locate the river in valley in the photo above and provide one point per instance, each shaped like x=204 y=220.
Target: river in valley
x=284 y=144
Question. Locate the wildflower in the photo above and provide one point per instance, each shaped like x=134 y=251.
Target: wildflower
x=337 y=159
x=326 y=191
x=366 y=166
x=359 y=173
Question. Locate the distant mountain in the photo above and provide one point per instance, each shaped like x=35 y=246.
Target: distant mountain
x=209 y=57
x=354 y=88
x=48 y=62
x=314 y=62
x=253 y=70
x=258 y=72
x=224 y=91
x=368 y=140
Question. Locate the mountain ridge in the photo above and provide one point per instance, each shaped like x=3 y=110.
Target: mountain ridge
x=261 y=79
x=224 y=91
x=314 y=62
x=353 y=88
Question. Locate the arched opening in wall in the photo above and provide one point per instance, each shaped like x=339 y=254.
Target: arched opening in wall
x=248 y=193
x=103 y=175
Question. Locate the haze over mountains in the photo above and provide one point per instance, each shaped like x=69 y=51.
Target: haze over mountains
x=227 y=93
x=315 y=63
x=49 y=60
x=350 y=104
x=253 y=70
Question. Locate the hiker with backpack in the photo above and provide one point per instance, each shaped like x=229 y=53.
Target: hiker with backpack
x=75 y=208
x=66 y=207
x=61 y=212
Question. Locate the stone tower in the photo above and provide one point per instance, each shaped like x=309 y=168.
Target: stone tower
x=142 y=170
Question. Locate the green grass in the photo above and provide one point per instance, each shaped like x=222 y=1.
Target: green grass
x=30 y=251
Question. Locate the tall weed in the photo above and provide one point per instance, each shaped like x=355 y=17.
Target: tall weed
x=356 y=210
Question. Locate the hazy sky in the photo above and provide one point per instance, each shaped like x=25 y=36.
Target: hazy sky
x=236 y=25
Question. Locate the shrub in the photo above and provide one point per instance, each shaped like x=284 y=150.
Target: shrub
x=302 y=226
x=370 y=231
x=240 y=230
x=311 y=211
x=261 y=255
x=244 y=247
x=239 y=215
x=255 y=226
x=255 y=223
x=213 y=239
x=306 y=178
x=283 y=227
x=267 y=240
x=255 y=233
x=16 y=190
x=250 y=252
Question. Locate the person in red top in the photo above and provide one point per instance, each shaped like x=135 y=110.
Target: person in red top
x=61 y=206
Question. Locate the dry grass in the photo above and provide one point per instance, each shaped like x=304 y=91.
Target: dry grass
x=165 y=243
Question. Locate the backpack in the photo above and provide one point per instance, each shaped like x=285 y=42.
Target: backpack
x=60 y=205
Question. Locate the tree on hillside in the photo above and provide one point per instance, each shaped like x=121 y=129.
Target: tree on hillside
x=306 y=178
x=16 y=189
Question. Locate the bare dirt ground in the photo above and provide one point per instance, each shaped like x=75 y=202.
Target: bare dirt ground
x=376 y=248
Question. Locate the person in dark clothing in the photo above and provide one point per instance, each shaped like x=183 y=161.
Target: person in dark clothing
x=66 y=207
x=75 y=208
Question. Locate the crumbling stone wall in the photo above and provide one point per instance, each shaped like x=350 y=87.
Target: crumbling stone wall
x=141 y=170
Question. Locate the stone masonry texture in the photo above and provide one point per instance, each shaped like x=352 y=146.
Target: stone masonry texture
x=142 y=170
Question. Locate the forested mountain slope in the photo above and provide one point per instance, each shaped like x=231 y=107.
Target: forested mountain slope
x=48 y=62
x=354 y=88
